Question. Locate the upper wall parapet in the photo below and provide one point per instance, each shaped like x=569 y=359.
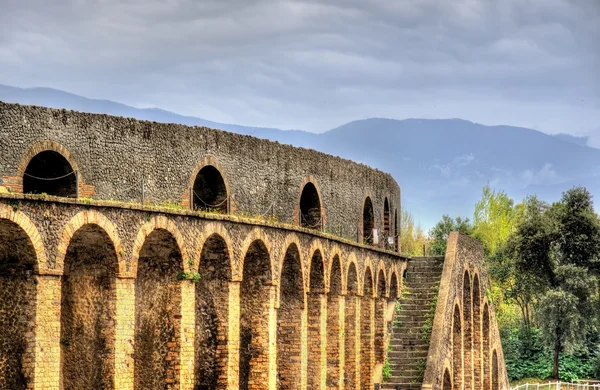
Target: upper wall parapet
x=115 y=158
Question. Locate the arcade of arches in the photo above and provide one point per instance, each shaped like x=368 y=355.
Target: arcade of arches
x=315 y=321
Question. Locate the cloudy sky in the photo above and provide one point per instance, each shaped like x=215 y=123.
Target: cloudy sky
x=317 y=64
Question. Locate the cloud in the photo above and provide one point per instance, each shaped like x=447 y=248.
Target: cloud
x=545 y=176
x=315 y=64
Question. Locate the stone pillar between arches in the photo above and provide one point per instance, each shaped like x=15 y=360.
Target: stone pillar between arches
x=317 y=341
x=124 y=332
x=47 y=333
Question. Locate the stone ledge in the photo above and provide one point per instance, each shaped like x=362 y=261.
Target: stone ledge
x=195 y=214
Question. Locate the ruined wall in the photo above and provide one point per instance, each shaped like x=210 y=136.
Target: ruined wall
x=458 y=314
x=114 y=155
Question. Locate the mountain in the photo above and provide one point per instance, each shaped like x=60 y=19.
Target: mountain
x=440 y=164
x=581 y=141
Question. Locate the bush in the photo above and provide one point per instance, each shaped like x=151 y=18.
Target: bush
x=526 y=357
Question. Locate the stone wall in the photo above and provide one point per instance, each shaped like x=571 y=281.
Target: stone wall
x=465 y=348
x=114 y=155
x=101 y=295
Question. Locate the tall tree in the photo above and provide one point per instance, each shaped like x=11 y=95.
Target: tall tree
x=555 y=250
x=412 y=237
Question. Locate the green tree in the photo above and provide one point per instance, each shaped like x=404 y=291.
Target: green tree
x=412 y=237
x=494 y=219
x=438 y=235
x=555 y=251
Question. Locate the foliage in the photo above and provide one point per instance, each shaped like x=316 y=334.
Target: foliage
x=552 y=252
x=526 y=357
x=494 y=219
x=439 y=233
x=412 y=237
x=387 y=369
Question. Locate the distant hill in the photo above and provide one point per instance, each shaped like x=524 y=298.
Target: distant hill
x=581 y=141
x=440 y=164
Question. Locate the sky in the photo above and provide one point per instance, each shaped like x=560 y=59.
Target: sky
x=314 y=65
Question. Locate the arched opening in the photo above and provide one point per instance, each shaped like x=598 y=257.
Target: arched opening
x=17 y=303
x=467 y=328
x=367 y=309
x=50 y=173
x=380 y=319
x=495 y=381
x=88 y=308
x=457 y=361
x=368 y=221
x=317 y=301
x=310 y=207
x=485 y=327
x=447 y=382
x=212 y=314
x=335 y=322
x=289 y=322
x=352 y=328
x=391 y=303
x=256 y=305
x=210 y=191
x=396 y=236
x=386 y=219
x=477 y=334
x=157 y=312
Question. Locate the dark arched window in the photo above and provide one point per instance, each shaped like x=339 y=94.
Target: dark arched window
x=50 y=173
x=210 y=192
x=310 y=207
x=396 y=237
x=386 y=218
x=368 y=221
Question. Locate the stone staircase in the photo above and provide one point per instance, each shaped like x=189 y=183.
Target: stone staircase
x=409 y=340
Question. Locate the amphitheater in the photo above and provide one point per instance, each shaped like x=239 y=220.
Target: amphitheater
x=139 y=255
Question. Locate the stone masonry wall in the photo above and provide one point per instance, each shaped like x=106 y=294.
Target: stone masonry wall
x=113 y=155
x=448 y=350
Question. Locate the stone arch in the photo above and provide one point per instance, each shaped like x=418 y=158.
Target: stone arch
x=90 y=217
x=18 y=259
x=290 y=320
x=310 y=207
x=370 y=282
x=335 y=322
x=495 y=369
x=381 y=282
x=212 y=312
x=467 y=306
x=485 y=327
x=447 y=381
x=88 y=301
x=396 y=234
x=158 y=266
x=208 y=230
x=314 y=194
x=210 y=187
x=477 y=332
x=314 y=248
x=258 y=235
x=158 y=223
x=367 y=221
x=334 y=259
x=394 y=285
x=45 y=160
x=352 y=326
x=457 y=347
x=316 y=302
x=351 y=275
x=380 y=322
x=12 y=214
x=367 y=309
x=387 y=229
x=257 y=300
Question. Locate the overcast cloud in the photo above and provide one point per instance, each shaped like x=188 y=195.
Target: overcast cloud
x=317 y=64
